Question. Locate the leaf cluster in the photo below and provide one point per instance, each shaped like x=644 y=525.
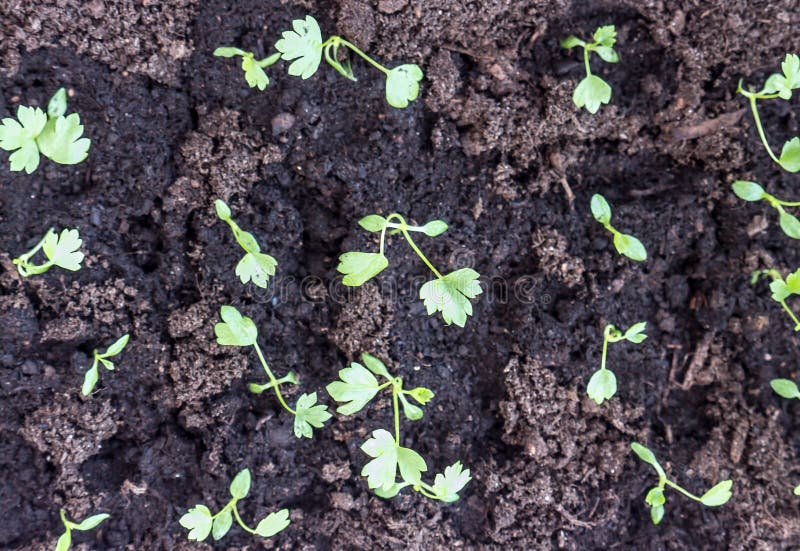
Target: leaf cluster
x=782 y=289
x=603 y=383
x=61 y=250
x=254 y=266
x=625 y=244
x=753 y=192
x=89 y=523
x=592 y=91
x=91 y=376
x=253 y=68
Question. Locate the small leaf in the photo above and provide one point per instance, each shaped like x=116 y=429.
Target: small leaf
x=21 y=136
x=789 y=224
x=608 y=54
x=656 y=514
x=591 y=92
x=605 y=35
x=718 y=495
x=780 y=291
x=61 y=141
x=223 y=210
x=402 y=85
x=373 y=223
x=381 y=472
x=273 y=523
x=240 y=486
x=645 y=455
x=304 y=45
x=376 y=366
x=447 y=485
x=91 y=522
x=64 y=250
x=57 y=105
x=357 y=387
x=229 y=51
x=602 y=386
x=434 y=228
x=601 y=209
x=411 y=465
x=221 y=525
x=64 y=541
x=358 y=267
x=655 y=497
x=572 y=41
x=748 y=191
x=117 y=347
x=635 y=332
x=392 y=491
x=791 y=70
x=198 y=521
x=308 y=415
x=412 y=412
x=253 y=73
x=256 y=267
x=796 y=490
x=89 y=381
x=235 y=329
x=790 y=155
x=785 y=388
x=106 y=363
x=793 y=282
x=421 y=394
x=629 y=246
x=450 y=295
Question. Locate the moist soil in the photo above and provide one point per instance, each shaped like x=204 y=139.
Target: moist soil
x=492 y=146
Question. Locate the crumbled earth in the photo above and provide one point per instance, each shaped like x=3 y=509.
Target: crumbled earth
x=495 y=147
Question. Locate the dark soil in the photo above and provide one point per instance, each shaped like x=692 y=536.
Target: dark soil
x=488 y=148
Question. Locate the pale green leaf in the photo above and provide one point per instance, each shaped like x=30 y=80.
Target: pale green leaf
x=304 y=45
x=793 y=282
x=376 y=366
x=61 y=141
x=421 y=394
x=89 y=381
x=117 y=347
x=791 y=70
x=434 y=228
x=796 y=490
x=253 y=73
x=273 y=523
x=450 y=295
x=64 y=541
x=229 y=51
x=64 y=250
x=785 y=388
x=373 y=223
x=20 y=137
x=647 y=456
x=57 y=105
x=412 y=412
x=223 y=210
x=655 y=497
x=256 y=267
x=235 y=329
x=635 y=332
x=381 y=472
x=789 y=224
x=601 y=210
x=572 y=41
x=447 y=485
x=748 y=191
x=308 y=415
x=630 y=246
x=602 y=386
x=607 y=54
x=357 y=387
x=91 y=522
x=591 y=92
x=402 y=85
x=605 y=35
x=790 y=155
x=656 y=514
x=718 y=495
x=392 y=491
x=780 y=291
x=411 y=465
x=358 y=267
x=240 y=486
x=198 y=521
x=221 y=525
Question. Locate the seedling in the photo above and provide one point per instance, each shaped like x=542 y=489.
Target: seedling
x=625 y=244
x=200 y=522
x=782 y=289
x=254 y=266
x=304 y=47
x=357 y=387
x=238 y=330
x=90 y=379
x=753 y=192
x=61 y=250
x=786 y=388
x=716 y=496
x=778 y=86
x=603 y=384
x=449 y=294
x=53 y=135
x=89 y=523
x=593 y=91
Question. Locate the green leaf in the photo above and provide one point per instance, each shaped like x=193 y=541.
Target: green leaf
x=655 y=497
x=392 y=491
x=749 y=191
x=656 y=514
x=602 y=386
x=308 y=415
x=373 y=223
x=572 y=41
x=402 y=85
x=785 y=388
x=791 y=71
x=434 y=228
x=789 y=224
x=63 y=250
x=411 y=465
x=229 y=51
x=246 y=240
x=447 y=485
x=253 y=73
x=64 y=541
x=647 y=456
x=790 y=155
x=91 y=522
x=381 y=472
x=57 y=105
x=376 y=366
x=796 y=490
x=118 y=346
x=89 y=381
x=235 y=329
x=450 y=295
x=608 y=54
x=601 y=209
x=629 y=246
x=358 y=267
x=61 y=141
x=605 y=35
x=223 y=210
x=412 y=412
x=357 y=387
x=21 y=136
x=421 y=394
x=240 y=486
x=304 y=45
x=106 y=363
x=256 y=267
x=221 y=525
x=198 y=521
x=273 y=523
x=793 y=282
x=591 y=92
x=780 y=291
x=718 y=495
x=635 y=332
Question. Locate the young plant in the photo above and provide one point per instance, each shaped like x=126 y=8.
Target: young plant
x=238 y=330
x=304 y=47
x=65 y=540
x=61 y=250
x=625 y=244
x=90 y=379
x=716 y=496
x=782 y=289
x=357 y=387
x=603 y=383
x=786 y=388
x=449 y=294
x=753 y=192
x=778 y=86
x=53 y=135
x=254 y=266
x=593 y=91
x=200 y=522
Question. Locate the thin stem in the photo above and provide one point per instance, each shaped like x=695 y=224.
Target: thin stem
x=752 y=98
x=777 y=201
x=409 y=228
x=606 y=333
x=26 y=269
x=681 y=490
x=586 y=61
x=427 y=490
x=791 y=315
x=355 y=49
x=383 y=231
x=240 y=521
x=396 y=415
x=273 y=380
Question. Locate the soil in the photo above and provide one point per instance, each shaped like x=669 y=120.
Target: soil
x=489 y=147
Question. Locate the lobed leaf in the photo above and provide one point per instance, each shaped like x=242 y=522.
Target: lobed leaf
x=450 y=295
x=61 y=141
x=605 y=35
x=358 y=267
x=421 y=394
x=198 y=521
x=253 y=73
x=256 y=267
x=63 y=250
x=20 y=137
x=718 y=495
x=402 y=85
x=591 y=92
x=357 y=387
x=273 y=523
x=303 y=45
x=308 y=415
x=235 y=329
x=381 y=472
x=602 y=386
x=447 y=485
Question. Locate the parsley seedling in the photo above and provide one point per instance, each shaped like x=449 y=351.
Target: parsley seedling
x=200 y=522
x=593 y=91
x=716 y=496
x=778 y=86
x=65 y=540
x=753 y=192
x=304 y=47
x=90 y=379
x=238 y=330
x=603 y=383
x=53 y=135
x=356 y=387
x=61 y=250
x=625 y=244
x=786 y=388
x=449 y=294
x=254 y=266
x=782 y=289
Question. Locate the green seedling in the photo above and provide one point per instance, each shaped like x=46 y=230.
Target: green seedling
x=782 y=289
x=90 y=379
x=449 y=294
x=254 y=266
x=65 y=540
x=304 y=47
x=716 y=496
x=593 y=91
x=200 y=522
x=238 y=330
x=753 y=192
x=53 y=135
x=61 y=250
x=625 y=244
x=356 y=388
x=786 y=388
x=603 y=383
x=778 y=86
